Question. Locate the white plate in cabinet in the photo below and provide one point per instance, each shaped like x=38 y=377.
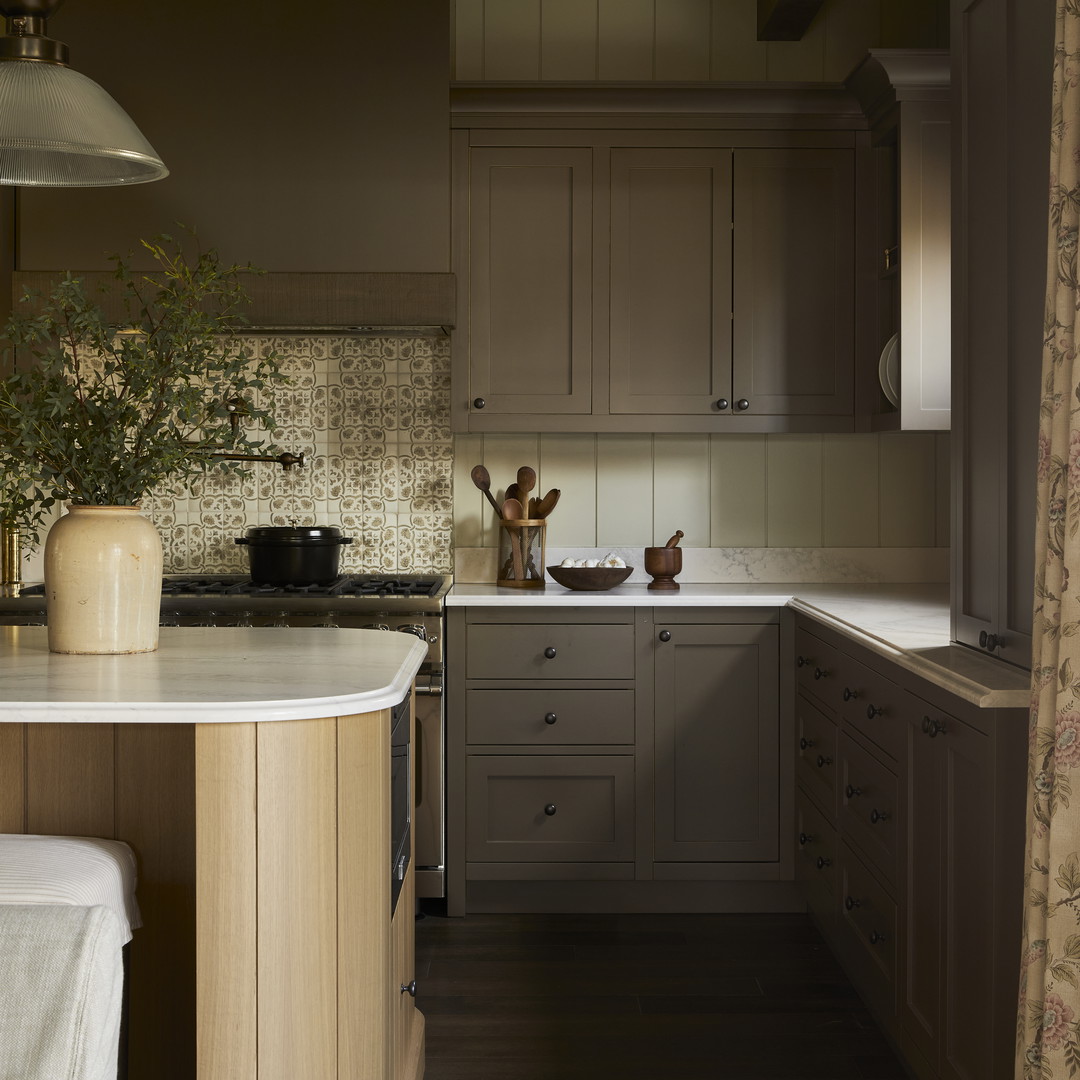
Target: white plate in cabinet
x=543 y=717
x=537 y=651
x=524 y=808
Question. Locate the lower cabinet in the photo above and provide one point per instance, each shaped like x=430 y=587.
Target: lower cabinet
x=716 y=741
x=615 y=759
x=911 y=861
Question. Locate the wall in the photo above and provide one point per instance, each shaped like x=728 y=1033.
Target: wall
x=299 y=137
x=677 y=40
x=372 y=416
x=767 y=507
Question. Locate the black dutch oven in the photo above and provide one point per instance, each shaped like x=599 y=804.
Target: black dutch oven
x=294 y=554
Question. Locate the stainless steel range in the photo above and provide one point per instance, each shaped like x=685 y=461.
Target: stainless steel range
x=405 y=603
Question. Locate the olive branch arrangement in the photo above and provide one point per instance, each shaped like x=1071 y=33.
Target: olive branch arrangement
x=100 y=413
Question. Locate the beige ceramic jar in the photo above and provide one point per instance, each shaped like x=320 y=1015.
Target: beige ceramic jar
x=103 y=581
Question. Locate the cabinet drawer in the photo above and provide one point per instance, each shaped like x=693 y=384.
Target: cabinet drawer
x=815 y=666
x=869 y=799
x=537 y=651
x=872 y=704
x=541 y=717
x=816 y=862
x=869 y=914
x=558 y=809
x=816 y=753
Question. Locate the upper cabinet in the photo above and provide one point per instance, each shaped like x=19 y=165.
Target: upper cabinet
x=905 y=94
x=1003 y=66
x=633 y=279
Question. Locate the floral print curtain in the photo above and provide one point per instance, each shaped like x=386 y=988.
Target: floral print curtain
x=1048 y=1020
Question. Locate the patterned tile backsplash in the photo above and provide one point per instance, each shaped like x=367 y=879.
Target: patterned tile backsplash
x=371 y=416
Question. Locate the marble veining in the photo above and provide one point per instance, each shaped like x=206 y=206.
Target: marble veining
x=210 y=675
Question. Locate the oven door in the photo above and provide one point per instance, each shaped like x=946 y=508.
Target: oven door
x=429 y=830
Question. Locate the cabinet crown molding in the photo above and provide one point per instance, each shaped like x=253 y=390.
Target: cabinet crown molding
x=887 y=77
x=783 y=105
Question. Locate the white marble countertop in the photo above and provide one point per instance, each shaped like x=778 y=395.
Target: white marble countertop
x=908 y=624
x=209 y=675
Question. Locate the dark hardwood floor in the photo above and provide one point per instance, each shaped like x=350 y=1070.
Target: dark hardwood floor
x=640 y=997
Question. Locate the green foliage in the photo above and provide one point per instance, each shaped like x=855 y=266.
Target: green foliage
x=101 y=414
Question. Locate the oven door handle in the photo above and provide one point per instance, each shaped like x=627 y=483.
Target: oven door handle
x=434 y=688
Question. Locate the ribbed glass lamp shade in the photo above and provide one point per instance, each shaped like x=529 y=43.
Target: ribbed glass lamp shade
x=60 y=129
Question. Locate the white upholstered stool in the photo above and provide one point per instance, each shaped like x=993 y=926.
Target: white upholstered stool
x=67 y=907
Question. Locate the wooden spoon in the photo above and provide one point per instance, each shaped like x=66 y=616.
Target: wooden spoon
x=482 y=480
x=526 y=481
x=512 y=511
x=544 y=506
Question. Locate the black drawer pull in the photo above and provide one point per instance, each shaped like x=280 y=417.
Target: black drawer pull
x=479 y=403
x=409 y=988
x=664 y=635
x=876 y=938
x=742 y=404
x=990 y=641
x=549 y=652
x=851 y=791
x=933 y=728
x=849 y=694
x=550 y=718
x=872 y=711
x=803 y=661
x=820 y=673
x=722 y=403
x=805 y=744
x=878 y=815
x=804 y=839
x=550 y=809
x=822 y=862
x=822 y=761
x=851 y=903
x=927 y=724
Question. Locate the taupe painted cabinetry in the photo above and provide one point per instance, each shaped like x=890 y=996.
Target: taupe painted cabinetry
x=1002 y=55
x=615 y=759
x=909 y=827
x=654 y=280
x=716 y=743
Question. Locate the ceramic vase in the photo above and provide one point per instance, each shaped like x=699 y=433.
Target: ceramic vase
x=103 y=581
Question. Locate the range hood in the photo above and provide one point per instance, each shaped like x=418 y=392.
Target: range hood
x=335 y=303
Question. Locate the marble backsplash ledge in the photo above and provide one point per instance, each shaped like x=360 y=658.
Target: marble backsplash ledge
x=750 y=565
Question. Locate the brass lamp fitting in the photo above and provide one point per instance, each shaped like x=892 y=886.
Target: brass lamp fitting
x=10 y=558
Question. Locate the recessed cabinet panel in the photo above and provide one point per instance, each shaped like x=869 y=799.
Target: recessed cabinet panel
x=816 y=753
x=794 y=280
x=559 y=809
x=717 y=744
x=559 y=651
x=670 y=280
x=530 y=323
x=540 y=717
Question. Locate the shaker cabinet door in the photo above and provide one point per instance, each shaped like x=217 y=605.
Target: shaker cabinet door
x=529 y=330
x=716 y=744
x=670 y=280
x=794 y=324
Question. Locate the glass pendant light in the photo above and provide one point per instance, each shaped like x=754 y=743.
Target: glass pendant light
x=58 y=128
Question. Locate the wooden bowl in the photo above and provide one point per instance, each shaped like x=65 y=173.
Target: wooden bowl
x=590 y=578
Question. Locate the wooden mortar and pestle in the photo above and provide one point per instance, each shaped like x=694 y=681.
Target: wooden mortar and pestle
x=663 y=563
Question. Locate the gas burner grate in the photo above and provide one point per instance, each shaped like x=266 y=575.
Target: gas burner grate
x=351 y=585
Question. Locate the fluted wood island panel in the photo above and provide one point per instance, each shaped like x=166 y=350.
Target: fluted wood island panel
x=267 y=949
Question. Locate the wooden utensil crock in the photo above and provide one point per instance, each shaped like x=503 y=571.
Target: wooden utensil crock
x=663 y=563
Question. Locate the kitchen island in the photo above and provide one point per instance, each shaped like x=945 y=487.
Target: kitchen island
x=249 y=769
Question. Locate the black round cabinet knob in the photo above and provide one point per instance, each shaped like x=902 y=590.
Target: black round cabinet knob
x=550 y=718
x=549 y=652
x=550 y=809
x=479 y=403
